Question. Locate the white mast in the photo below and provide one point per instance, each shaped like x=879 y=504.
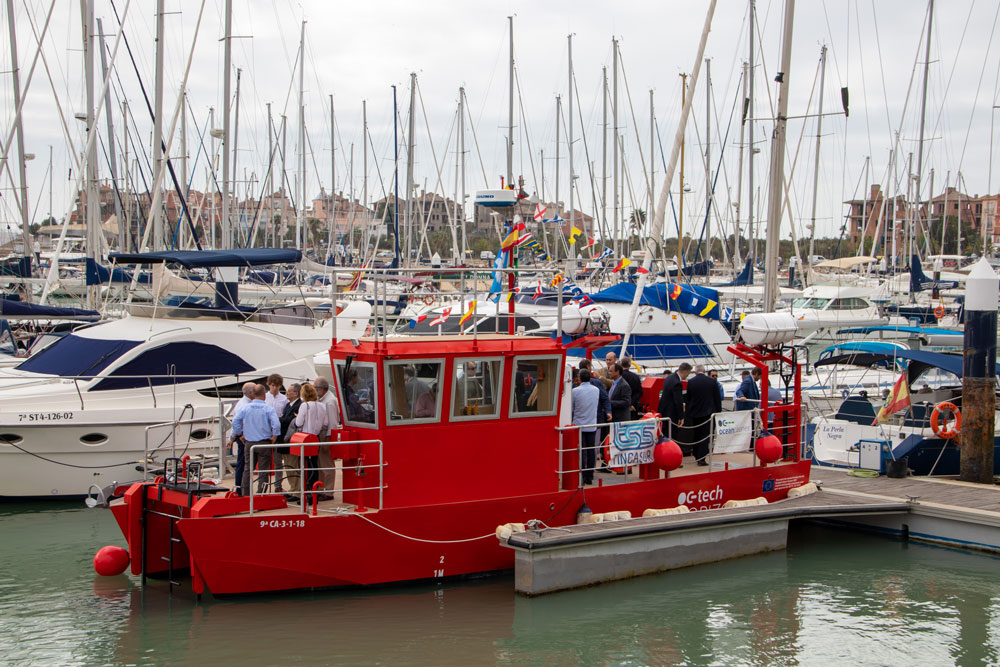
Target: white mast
x=569 y=140
x=656 y=232
x=410 y=146
x=93 y=212
x=157 y=213
x=301 y=208
x=750 y=210
x=819 y=134
x=614 y=145
x=227 y=228
x=510 y=108
x=22 y=176
x=777 y=182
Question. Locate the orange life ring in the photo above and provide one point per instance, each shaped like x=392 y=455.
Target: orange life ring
x=939 y=312
x=428 y=300
x=941 y=429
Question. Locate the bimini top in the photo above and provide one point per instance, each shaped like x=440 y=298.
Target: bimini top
x=191 y=259
x=920 y=361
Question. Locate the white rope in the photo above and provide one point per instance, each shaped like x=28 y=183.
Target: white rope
x=408 y=537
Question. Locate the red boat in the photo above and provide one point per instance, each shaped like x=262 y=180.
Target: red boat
x=445 y=438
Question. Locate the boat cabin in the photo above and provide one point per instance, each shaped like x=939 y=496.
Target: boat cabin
x=496 y=398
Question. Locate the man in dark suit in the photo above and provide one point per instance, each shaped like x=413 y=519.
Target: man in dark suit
x=634 y=383
x=747 y=396
x=672 y=397
x=287 y=419
x=703 y=401
x=620 y=395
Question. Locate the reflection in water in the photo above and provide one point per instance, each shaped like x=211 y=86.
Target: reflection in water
x=833 y=597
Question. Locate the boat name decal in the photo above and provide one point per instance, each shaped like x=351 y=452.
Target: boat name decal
x=44 y=416
x=282 y=523
x=701 y=499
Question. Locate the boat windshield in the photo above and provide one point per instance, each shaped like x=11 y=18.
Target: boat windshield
x=76 y=356
x=814 y=303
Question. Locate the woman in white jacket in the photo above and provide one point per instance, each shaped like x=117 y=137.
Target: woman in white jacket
x=312 y=418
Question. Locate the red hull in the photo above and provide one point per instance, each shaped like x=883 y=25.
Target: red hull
x=270 y=552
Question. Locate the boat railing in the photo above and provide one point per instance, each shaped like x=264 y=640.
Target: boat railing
x=180 y=447
x=269 y=478
x=468 y=281
x=730 y=432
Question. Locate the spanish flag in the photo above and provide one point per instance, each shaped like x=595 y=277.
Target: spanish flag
x=898 y=399
x=574 y=234
x=510 y=241
x=556 y=279
x=468 y=313
x=622 y=264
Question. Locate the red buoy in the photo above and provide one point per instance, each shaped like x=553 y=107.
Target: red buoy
x=768 y=448
x=110 y=561
x=667 y=455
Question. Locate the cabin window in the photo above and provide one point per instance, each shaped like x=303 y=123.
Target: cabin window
x=476 y=389
x=413 y=391
x=74 y=355
x=174 y=363
x=358 y=391
x=534 y=385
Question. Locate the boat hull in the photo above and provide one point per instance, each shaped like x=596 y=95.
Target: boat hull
x=272 y=551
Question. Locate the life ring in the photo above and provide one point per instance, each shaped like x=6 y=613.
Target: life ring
x=941 y=429
x=939 y=312
x=428 y=300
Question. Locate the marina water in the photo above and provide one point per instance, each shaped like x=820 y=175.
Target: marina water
x=834 y=597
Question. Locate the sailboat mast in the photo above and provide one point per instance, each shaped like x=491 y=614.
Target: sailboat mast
x=776 y=184
x=819 y=134
x=680 y=208
x=93 y=212
x=461 y=153
x=301 y=208
x=750 y=210
x=569 y=139
x=331 y=234
x=410 y=144
x=614 y=144
x=158 y=238
x=558 y=114
x=923 y=108
x=604 y=154
x=227 y=65
x=510 y=107
x=19 y=129
x=708 y=158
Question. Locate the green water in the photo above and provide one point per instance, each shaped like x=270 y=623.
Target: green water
x=833 y=598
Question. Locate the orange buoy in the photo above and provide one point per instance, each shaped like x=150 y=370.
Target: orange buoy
x=941 y=428
x=110 y=561
x=939 y=312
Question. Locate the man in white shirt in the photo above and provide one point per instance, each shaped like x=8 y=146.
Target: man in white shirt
x=274 y=397
x=248 y=390
x=327 y=398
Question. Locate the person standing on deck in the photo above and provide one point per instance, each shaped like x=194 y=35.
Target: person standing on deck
x=287 y=419
x=620 y=395
x=314 y=417
x=634 y=383
x=586 y=399
x=327 y=399
x=671 y=404
x=714 y=374
x=248 y=389
x=610 y=359
x=703 y=401
x=274 y=397
x=747 y=397
x=258 y=424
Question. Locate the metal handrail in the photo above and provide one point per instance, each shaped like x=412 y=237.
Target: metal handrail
x=303 y=492
x=173 y=424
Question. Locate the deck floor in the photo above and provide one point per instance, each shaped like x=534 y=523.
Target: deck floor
x=937 y=490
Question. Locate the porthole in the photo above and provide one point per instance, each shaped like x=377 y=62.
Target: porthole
x=200 y=434
x=10 y=439
x=93 y=439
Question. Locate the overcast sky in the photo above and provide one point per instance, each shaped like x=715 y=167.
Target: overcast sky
x=357 y=51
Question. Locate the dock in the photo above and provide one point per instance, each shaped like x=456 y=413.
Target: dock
x=942 y=511
x=938 y=511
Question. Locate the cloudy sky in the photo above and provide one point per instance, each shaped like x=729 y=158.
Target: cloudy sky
x=357 y=51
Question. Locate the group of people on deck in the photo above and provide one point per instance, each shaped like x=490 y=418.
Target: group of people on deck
x=613 y=394
x=266 y=416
